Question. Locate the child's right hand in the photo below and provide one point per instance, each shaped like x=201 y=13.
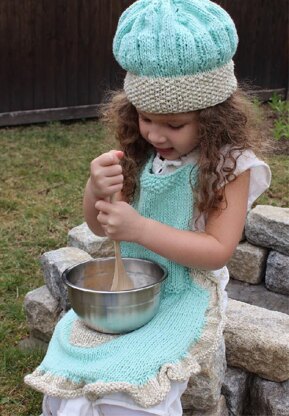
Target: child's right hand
x=106 y=176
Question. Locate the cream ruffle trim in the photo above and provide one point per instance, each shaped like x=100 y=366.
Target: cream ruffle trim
x=156 y=389
x=182 y=93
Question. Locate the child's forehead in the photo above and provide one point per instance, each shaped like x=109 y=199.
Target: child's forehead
x=173 y=117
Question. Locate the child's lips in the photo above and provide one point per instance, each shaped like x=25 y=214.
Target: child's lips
x=164 y=152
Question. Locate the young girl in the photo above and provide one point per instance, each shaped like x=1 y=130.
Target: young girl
x=184 y=176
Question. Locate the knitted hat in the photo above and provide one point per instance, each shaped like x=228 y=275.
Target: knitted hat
x=177 y=54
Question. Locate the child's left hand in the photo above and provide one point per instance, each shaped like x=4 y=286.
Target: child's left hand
x=119 y=220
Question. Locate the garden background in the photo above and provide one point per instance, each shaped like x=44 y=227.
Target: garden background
x=43 y=167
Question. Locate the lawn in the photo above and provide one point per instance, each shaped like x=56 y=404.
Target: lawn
x=43 y=172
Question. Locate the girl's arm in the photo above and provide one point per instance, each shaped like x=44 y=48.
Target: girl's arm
x=206 y=250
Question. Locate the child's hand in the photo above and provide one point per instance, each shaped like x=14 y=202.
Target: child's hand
x=106 y=174
x=120 y=221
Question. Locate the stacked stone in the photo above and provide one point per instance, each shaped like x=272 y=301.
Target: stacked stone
x=259 y=267
x=259 y=271
x=256 y=345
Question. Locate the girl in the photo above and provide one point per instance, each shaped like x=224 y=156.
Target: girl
x=184 y=176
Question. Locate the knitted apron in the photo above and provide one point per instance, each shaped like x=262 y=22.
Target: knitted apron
x=185 y=331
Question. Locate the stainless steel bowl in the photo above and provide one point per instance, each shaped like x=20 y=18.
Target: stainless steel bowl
x=114 y=312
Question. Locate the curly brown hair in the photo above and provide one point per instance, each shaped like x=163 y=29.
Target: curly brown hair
x=235 y=123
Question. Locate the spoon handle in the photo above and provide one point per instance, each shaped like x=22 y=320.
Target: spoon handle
x=120 y=281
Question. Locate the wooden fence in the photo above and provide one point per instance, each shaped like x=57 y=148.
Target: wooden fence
x=56 y=58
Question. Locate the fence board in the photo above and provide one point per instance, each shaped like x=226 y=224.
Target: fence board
x=15 y=53
x=72 y=57
x=262 y=55
x=4 y=61
x=57 y=54
x=49 y=47
x=51 y=114
x=94 y=95
x=61 y=52
x=83 y=51
x=39 y=52
x=25 y=17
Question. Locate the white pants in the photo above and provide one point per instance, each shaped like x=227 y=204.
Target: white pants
x=116 y=404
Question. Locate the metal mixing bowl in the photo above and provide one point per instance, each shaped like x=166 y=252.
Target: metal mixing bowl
x=114 y=312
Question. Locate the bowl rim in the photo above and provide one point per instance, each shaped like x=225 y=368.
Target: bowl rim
x=71 y=285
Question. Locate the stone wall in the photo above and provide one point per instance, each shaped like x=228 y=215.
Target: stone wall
x=249 y=375
x=259 y=268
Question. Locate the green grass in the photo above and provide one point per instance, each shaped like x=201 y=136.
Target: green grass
x=281 y=123
x=43 y=171
x=278 y=194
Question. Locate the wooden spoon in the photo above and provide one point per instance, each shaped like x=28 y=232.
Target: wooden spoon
x=121 y=280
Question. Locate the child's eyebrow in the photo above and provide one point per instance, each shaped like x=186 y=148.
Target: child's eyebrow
x=172 y=119
x=143 y=114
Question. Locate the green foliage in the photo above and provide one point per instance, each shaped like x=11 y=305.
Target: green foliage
x=281 y=122
x=278 y=193
x=278 y=105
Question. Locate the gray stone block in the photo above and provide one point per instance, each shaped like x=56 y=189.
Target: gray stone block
x=257 y=295
x=277 y=273
x=42 y=313
x=257 y=340
x=54 y=263
x=268 y=226
x=81 y=237
x=31 y=343
x=235 y=390
x=219 y=410
x=248 y=263
x=204 y=391
x=268 y=398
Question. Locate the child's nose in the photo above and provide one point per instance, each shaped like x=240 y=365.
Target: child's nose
x=156 y=137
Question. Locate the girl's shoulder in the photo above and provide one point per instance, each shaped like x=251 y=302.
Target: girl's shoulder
x=243 y=160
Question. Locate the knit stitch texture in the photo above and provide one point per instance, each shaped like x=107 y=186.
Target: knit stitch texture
x=170 y=38
x=177 y=54
x=143 y=362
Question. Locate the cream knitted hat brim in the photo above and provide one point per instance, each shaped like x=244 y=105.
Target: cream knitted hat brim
x=182 y=93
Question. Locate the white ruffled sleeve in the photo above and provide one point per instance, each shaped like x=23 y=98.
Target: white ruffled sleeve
x=260 y=174
x=260 y=179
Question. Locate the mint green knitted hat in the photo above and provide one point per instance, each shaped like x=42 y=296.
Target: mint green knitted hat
x=177 y=54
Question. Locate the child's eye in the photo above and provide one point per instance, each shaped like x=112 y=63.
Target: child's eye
x=144 y=119
x=172 y=126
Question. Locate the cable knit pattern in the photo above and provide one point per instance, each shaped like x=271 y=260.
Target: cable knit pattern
x=184 y=332
x=176 y=51
x=170 y=38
